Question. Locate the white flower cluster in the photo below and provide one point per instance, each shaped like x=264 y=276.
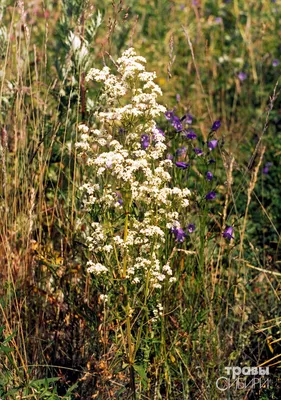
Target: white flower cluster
x=131 y=77
x=128 y=176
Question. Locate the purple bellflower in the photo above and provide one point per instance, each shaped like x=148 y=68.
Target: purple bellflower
x=145 y=140
x=190 y=135
x=191 y=228
x=228 y=233
x=212 y=144
x=181 y=151
x=169 y=115
x=181 y=164
x=176 y=122
x=216 y=125
x=211 y=195
x=265 y=169
x=179 y=234
x=242 y=76
x=209 y=176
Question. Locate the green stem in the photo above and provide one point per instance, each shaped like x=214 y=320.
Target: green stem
x=128 y=317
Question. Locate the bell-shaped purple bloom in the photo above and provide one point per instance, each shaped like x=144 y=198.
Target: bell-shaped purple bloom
x=189 y=119
x=265 y=169
x=228 y=233
x=275 y=62
x=197 y=151
x=179 y=234
x=191 y=135
x=169 y=115
x=181 y=164
x=176 y=122
x=242 y=76
x=209 y=176
x=145 y=141
x=169 y=156
x=180 y=151
x=216 y=125
x=212 y=144
x=211 y=195
x=119 y=197
x=191 y=228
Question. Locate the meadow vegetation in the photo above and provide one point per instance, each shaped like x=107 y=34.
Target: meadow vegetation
x=140 y=146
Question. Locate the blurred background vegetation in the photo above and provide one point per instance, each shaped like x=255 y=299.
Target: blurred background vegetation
x=214 y=59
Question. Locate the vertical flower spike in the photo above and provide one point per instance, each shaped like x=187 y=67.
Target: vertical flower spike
x=139 y=173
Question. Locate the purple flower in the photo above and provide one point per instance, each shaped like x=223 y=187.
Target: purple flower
x=218 y=20
x=189 y=119
x=145 y=140
x=178 y=98
x=228 y=233
x=169 y=115
x=242 y=76
x=191 y=135
x=179 y=234
x=169 y=157
x=216 y=125
x=275 y=62
x=265 y=170
x=209 y=176
x=119 y=197
x=212 y=144
x=197 y=151
x=176 y=122
x=211 y=195
x=191 y=228
x=212 y=161
x=181 y=164
x=180 y=151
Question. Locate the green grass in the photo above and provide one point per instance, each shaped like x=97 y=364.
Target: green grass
x=224 y=307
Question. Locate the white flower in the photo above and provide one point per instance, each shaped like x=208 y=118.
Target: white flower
x=96 y=268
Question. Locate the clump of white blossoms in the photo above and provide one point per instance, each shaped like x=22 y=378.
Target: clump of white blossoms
x=128 y=188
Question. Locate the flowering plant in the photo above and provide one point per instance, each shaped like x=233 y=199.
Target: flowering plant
x=136 y=205
x=140 y=209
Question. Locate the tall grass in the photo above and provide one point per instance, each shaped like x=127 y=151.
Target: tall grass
x=57 y=338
